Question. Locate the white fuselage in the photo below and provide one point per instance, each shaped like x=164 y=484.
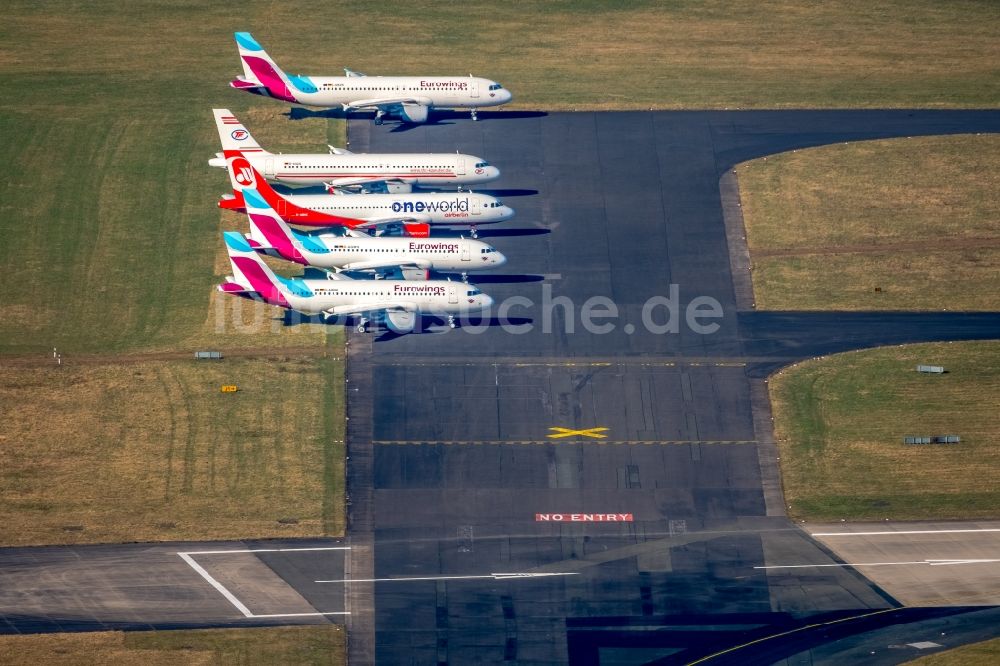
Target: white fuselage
x=371 y=252
x=431 y=297
x=428 y=170
x=447 y=92
x=443 y=208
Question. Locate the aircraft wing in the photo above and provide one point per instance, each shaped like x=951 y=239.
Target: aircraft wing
x=381 y=221
x=376 y=102
x=359 y=180
x=362 y=308
x=385 y=263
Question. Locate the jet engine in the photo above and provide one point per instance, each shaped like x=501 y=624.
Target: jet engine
x=400 y=322
x=415 y=273
x=414 y=113
x=417 y=229
x=394 y=187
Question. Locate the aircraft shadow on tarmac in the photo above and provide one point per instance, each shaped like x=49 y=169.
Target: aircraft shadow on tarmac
x=299 y=113
x=493 y=233
x=508 y=193
x=431 y=325
x=504 y=233
x=436 y=117
x=493 y=279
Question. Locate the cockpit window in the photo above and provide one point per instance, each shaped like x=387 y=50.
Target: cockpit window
x=496 y=86
x=474 y=292
x=482 y=165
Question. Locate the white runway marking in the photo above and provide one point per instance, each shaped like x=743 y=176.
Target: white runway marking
x=494 y=576
x=933 y=563
x=301 y=614
x=231 y=598
x=966 y=531
x=216 y=584
x=262 y=550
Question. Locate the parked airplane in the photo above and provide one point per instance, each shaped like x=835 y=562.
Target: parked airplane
x=408 y=97
x=343 y=169
x=401 y=301
x=270 y=235
x=416 y=212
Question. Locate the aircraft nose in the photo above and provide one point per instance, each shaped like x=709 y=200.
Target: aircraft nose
x=492 y=173
x=499 y=259
x=486 y=301
x=506 y=213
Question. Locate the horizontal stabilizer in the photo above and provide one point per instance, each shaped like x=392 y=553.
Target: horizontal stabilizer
x=232 y=201
x=234 y=288
x=249 y=86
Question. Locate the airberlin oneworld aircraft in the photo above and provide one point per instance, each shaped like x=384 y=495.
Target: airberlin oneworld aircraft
x=343 y=169
x=416 y=211
x=408 y=97
x=270 y=235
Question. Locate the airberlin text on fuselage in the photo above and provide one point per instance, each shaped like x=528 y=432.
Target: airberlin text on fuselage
x=583 y=517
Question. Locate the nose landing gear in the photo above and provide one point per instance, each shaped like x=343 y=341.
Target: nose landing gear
x=475 y=114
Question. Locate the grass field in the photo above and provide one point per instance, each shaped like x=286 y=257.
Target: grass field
x=840 y=422
x=915 y=218
x=323 y=644
x=110 y=217
x=986 y=653
x=153 y=450
x=111 y=234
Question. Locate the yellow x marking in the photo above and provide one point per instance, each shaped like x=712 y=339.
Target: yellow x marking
x=559 y=433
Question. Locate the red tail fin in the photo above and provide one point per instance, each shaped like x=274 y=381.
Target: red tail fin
x=242 y=174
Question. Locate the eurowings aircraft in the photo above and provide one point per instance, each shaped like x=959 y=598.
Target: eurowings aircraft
x=270 y=235
x=410 y=98
x=415 y=211
x=401 y=301
x=341 y=168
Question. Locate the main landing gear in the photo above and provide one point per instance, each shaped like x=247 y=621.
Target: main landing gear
x=378 y=116
x=363 y=325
